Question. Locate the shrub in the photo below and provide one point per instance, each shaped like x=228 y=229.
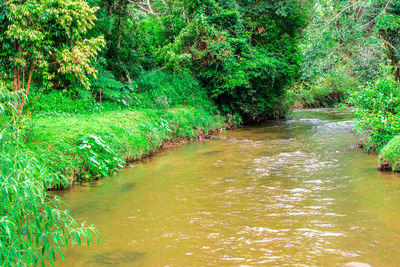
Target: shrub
x=376 y=108
x=326 y=92
x=300 y=95
x=33 y=227
x=390 y=153
x=99 y=159
x=163 y=90
x=57 y=102
x=107 y=88
x=226 y=45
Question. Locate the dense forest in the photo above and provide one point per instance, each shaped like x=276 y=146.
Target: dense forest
x=87 y=86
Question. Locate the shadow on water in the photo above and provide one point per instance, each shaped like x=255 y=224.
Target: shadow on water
x=211 y=153
x=117 y=257
x=90 y=206
x=126 y=188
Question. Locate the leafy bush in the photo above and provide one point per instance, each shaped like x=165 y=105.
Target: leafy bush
x=300 y=95
x=390 y=153
x=33 y=227
x=99 y=158
x=164 y=90
x=107 y=88
x=325 y=92
x=377 y=111
x=57 y=102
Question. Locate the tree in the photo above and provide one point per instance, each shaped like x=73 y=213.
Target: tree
x=362 y=34
x=244 y=52
x=47 y=38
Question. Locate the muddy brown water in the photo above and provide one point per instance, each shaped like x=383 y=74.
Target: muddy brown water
x=290 y=192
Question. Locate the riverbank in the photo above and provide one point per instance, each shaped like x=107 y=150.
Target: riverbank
x=84 y=147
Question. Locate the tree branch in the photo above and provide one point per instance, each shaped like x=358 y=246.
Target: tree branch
x=142 y=5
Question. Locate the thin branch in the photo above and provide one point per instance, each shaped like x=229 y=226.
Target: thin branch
x=142 y=5
x=384 y=11
x=343 y=10
x=151 y=10
x=387 y=42
x=338 y=15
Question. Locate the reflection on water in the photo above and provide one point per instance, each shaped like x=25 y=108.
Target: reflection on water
x=290 y=192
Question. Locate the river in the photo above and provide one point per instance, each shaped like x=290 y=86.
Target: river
x=289 y=192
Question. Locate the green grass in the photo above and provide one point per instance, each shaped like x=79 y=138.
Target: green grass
x=90 y=146
x=390 y=154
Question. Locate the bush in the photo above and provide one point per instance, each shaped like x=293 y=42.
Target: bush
x=58 y=102
x=99 y=159
x=226 y=45
x=390 y=153
x=326 y=92
x=164 y=90
x=33 y=227
x=107 y=88
x=300 y=95
x=376 y=108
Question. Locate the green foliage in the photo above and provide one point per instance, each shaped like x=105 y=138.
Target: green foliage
x=99 y=158
x=158 y=90
x=106 y=82
x=377 y=111
x=57 y=102
x=107 y=88
x=243 y=52
x=57 y=36
x=387 y=25
x=47 y=39
x=345 y=38
x=77 y=140
x=128 y=50
x=325 y=92
x=301 y=95
x=33 y=227
x=163 y=90
x=390 y=153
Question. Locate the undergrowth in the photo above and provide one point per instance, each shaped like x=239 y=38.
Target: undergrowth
x=33 y=227
x=376 y=108
x=325 y=92
x=390 y=154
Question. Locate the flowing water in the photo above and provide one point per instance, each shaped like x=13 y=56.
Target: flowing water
x=290 y=192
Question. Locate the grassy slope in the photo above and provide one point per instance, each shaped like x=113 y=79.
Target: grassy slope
x=132 y=134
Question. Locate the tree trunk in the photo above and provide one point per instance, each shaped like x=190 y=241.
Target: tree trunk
x=109 y=5
x=121 y=11
x=20 y=88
